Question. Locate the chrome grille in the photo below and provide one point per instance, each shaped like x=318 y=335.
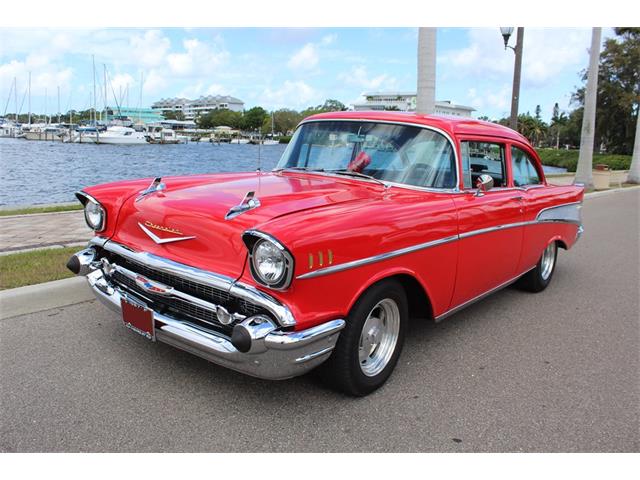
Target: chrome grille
x=177 y=305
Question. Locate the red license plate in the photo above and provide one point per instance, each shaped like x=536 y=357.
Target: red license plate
x=138 y=318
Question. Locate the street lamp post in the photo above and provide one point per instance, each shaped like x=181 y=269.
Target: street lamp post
x=517 y=69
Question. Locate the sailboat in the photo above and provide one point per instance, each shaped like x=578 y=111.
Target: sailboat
x=271 y=141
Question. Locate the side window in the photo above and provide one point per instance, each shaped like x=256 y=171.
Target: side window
x=483 y=158
x=524 y=170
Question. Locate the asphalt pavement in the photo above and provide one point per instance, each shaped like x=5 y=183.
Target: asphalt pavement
x=555 y=371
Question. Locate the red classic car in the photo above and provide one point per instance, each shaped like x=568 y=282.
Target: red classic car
x=367 y=220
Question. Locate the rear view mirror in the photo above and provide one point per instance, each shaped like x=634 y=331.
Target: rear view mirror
x=484 y=184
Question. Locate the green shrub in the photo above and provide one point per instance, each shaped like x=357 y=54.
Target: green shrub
x=285 y=139
x=569 y=159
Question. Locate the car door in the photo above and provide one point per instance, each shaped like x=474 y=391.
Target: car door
x=490 y=223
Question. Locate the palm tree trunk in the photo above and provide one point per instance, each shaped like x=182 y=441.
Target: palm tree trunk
x=585 y=160
x=426 y=93
x=634 y=170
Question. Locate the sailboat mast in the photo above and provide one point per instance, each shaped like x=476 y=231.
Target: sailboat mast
x=15 y=95
x=93 y=61
x=140 y=102
x=58 y=104
x=46 y=109
x=29 y=98
x=104 y=74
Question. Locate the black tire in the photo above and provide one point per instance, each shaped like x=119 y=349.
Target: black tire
x=343 y=370
x=534 y=280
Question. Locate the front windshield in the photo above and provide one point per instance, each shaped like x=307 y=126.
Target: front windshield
x=388 y=152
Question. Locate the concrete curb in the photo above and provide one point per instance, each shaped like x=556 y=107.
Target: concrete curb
x=604 y=193
x=44 y=296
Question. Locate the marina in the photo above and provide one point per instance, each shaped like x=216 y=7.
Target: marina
x=36 y=173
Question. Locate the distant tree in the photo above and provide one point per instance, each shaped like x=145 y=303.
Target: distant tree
x=253 y=118
x=173 y=115
x=285 y=120
x=618 y=91
x=538 y=112
x=331 y=105
x=216 y=118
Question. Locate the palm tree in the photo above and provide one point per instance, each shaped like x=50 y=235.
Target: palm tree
x=634 y=170
x=426 y=93
x=585 y=160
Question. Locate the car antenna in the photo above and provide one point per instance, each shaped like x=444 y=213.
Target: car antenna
x=259 y=154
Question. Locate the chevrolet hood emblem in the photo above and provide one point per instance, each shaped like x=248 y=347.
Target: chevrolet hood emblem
x=156 y=238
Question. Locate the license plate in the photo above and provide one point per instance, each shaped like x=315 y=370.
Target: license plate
x=138 y=318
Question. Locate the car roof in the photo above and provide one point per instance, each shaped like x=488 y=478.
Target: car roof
x=451 y=125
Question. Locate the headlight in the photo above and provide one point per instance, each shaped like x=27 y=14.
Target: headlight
x=94 y=215
x=271 y=263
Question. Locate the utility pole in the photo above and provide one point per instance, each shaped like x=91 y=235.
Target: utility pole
x=584 y=172
x=634 y=170
x=517 y=70
x=426 y=92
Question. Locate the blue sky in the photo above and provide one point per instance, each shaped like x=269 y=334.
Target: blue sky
x=286 y=67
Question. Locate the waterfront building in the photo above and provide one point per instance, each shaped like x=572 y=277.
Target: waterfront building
x=200 y=106
x=136 y=115
x=406 y=102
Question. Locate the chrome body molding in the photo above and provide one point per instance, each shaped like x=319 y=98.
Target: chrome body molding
x=274 y=354
x=376 y=258
x=565 y=213
x=456 y=309
x=281 y=313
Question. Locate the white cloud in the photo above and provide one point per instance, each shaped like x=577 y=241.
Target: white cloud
x=149 y=49
x=359 y=77
x=154 y=83
x=495 y=99
x=547 y=53
x=197 y=59
x=296 y=94
x=304 y=59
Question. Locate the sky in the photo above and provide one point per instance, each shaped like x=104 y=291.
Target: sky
x=286 y=67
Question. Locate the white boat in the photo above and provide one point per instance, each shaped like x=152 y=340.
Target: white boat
x=49 y=133
x=164 y=135
x=270 y=141
x=119 y=135
x=240 y=141
x=8 y=130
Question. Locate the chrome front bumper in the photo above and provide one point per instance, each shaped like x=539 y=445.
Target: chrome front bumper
x=271 y=353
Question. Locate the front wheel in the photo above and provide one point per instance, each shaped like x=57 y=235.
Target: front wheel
x=370 y=344
x=537 y=279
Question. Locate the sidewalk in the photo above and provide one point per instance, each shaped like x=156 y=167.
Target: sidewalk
x=42 y=230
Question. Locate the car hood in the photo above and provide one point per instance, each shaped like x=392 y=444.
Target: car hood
x=197 y=209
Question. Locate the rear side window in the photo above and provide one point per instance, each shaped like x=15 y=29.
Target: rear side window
x=483 y=158
x=524 y=170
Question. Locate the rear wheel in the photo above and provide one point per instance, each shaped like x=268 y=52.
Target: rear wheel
x=370 y=344
x=537 y=279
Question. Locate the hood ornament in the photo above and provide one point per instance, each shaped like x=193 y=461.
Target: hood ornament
x=156 y=238
x=249 y=202
x=155 y=186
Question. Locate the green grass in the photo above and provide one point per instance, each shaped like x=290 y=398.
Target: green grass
x=569 y=159
x=48 y=209
x=38 y=266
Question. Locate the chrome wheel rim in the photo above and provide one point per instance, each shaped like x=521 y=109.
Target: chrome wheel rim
x=548 y=260
x=379 y=337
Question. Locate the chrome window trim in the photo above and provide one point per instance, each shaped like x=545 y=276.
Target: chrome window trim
x=235 y=288
x=461 y=236
x=456 y=189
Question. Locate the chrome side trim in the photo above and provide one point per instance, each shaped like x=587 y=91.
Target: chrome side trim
x=481 y=296
x=565 y=213
x=377 y=258
x=241 y=290
x=558 y=216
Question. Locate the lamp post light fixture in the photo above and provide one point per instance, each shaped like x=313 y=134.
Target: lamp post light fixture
x=517 y=69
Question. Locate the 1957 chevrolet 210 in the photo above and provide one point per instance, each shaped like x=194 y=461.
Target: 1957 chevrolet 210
x=367 y=220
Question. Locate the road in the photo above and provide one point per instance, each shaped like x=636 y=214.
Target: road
x=556 y=371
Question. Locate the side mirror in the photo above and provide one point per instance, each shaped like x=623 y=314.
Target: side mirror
x=484 y=184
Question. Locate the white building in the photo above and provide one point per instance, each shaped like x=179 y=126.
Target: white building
x=406 y=102
x=200 y=106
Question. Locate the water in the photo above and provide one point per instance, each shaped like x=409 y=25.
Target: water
x=36 y=172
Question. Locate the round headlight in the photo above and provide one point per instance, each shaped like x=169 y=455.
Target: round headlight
x=269 y=262
x=94 y=215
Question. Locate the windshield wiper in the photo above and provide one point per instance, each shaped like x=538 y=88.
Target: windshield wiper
x=352 y=173
x=303 y=169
